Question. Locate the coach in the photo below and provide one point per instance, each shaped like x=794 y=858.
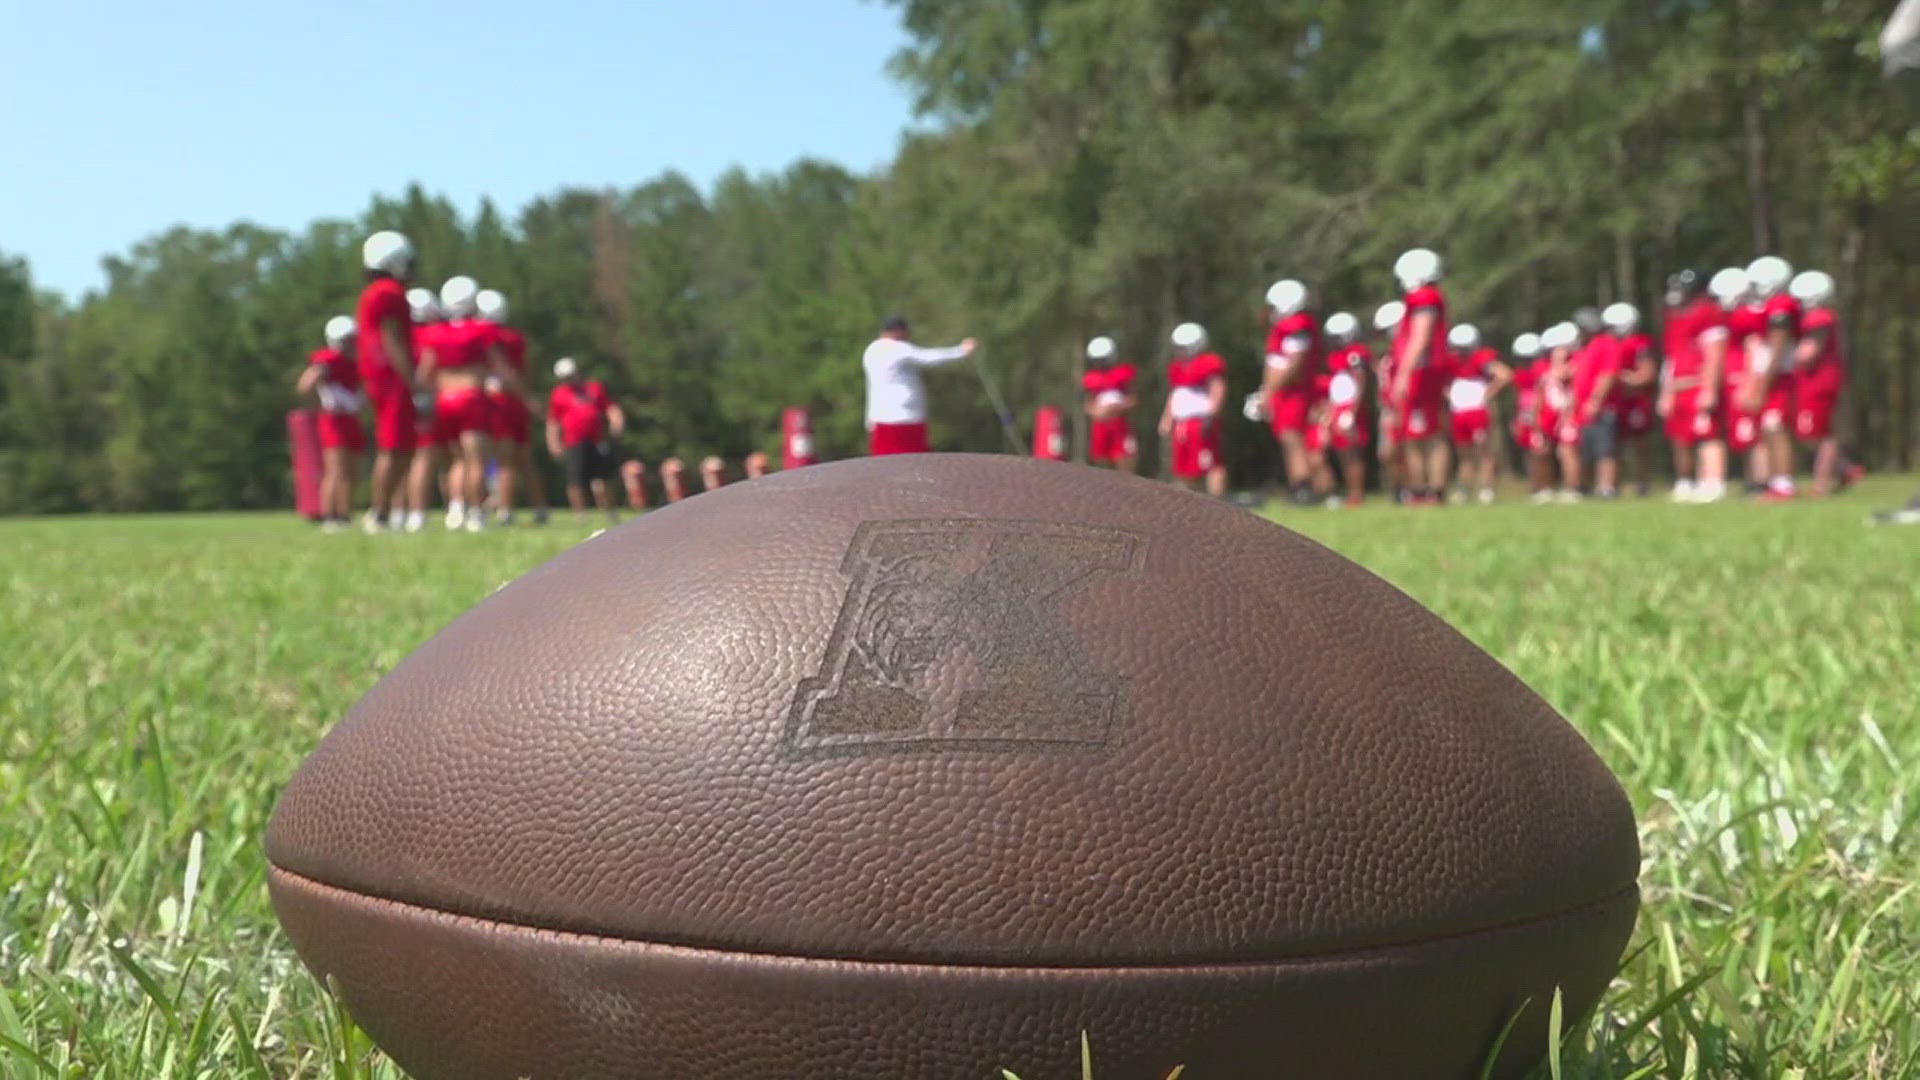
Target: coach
x=896 y=395
x=580 y=418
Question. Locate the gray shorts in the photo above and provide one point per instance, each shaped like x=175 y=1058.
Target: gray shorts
x=1601 y=437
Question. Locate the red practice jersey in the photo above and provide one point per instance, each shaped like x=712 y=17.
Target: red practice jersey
x=1190 y=379
x=1296 y=339
x=1830 y=361
x=581 y=412
x=339 y=389
x=1109 y=385
x=382 y=301
x=460 y=345
x=1429 y=299
x=1688 y=332
x=1595 y=360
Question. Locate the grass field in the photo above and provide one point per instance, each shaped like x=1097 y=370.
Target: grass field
x=1749 y=671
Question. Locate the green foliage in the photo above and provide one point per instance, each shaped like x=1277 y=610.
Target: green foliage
x=165 y=675
x=1091 y=167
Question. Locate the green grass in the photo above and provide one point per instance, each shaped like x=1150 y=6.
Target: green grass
x=1749 y=672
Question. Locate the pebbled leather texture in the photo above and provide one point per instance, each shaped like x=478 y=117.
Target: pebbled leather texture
x=916 y=766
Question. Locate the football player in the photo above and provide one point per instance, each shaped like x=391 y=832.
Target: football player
x=333 y=377
x=1110 y=401
x=1393 y=461
x=1197 y=388
x=384 y=335
x=1478 y=376
x=1293 y=368
x=1420 y=373
x=1770 y=386
x=512 y=413
x=1820 y=374
x=1637 y=376
x=1529 y=424
x=1343 y=414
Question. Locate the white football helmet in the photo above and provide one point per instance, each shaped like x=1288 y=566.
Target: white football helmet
x=491 y=305
x=425 y=305
x=340 y=330
x=1100 y=349
x=458 y=295
x=1622 y=318
x=1416 y=268
x=1464 y=336
x=1731 y=287
x=1813 y=288
x=1389 y=315
x=388 y=252
x=1562 y=335
x=1527 y=346
x=1342 y=326
x=565 y=368
x=1189 y=336
x=1769 y=274
x=1287 y=298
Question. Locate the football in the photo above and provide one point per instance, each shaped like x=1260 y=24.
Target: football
x=922 y=766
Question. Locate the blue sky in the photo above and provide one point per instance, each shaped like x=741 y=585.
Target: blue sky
x=122 y=118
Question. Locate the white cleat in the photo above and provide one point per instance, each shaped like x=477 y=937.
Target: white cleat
x=372 y=525
x=456 y=518
x=476 y=522
x=1567 y=498
x=1486 y=496
x=1540 y=498
x=1683 y=491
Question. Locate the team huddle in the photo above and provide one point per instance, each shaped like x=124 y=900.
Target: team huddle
x=445 y=378
x=1749 y=363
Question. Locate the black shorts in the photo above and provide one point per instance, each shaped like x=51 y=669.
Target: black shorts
x=587 y=462
x=1601 y=437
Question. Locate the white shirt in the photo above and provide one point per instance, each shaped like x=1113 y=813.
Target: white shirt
x=895 y=394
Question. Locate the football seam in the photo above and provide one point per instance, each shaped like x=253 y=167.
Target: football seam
x=1357 y=953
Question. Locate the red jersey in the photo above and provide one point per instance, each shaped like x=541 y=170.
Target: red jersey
x=1425 y=298
x=1633 y=349
x=1471 y=376
x=1783 y=312
x=513 y=344
x=1347 y=370
x=1830 y=360
x=339 y=388
x=1688 y=331
x=581 y=412
x=427 y=336
x=461 y=344
x=1109 y=385
x=1595 y=360
x=1526 y=386
x=1295 y=342
x=382 y=301
x=1190 y=380
x=1744 y=324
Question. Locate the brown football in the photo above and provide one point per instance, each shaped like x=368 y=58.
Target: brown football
x=918 y=767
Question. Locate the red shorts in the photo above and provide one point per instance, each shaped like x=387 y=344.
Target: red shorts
x=1290 y=409
x=511 y=421
x=898 y=439
x=1418 y=422
x=1112 y=440
x=1196 y=448
x=1317 y=438
x=1688 y=424
x=1745 y=428
x=1561 y=428
x=1636 y=417
x=1779 y=407
x=396 y=425
x=1471 y=427
x=342 y=431
x=1346 y=430
x=457 y=413
x=1419 y=419
x=1813 y=414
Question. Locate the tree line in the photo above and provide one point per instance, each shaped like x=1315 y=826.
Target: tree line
x=1087 y=167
